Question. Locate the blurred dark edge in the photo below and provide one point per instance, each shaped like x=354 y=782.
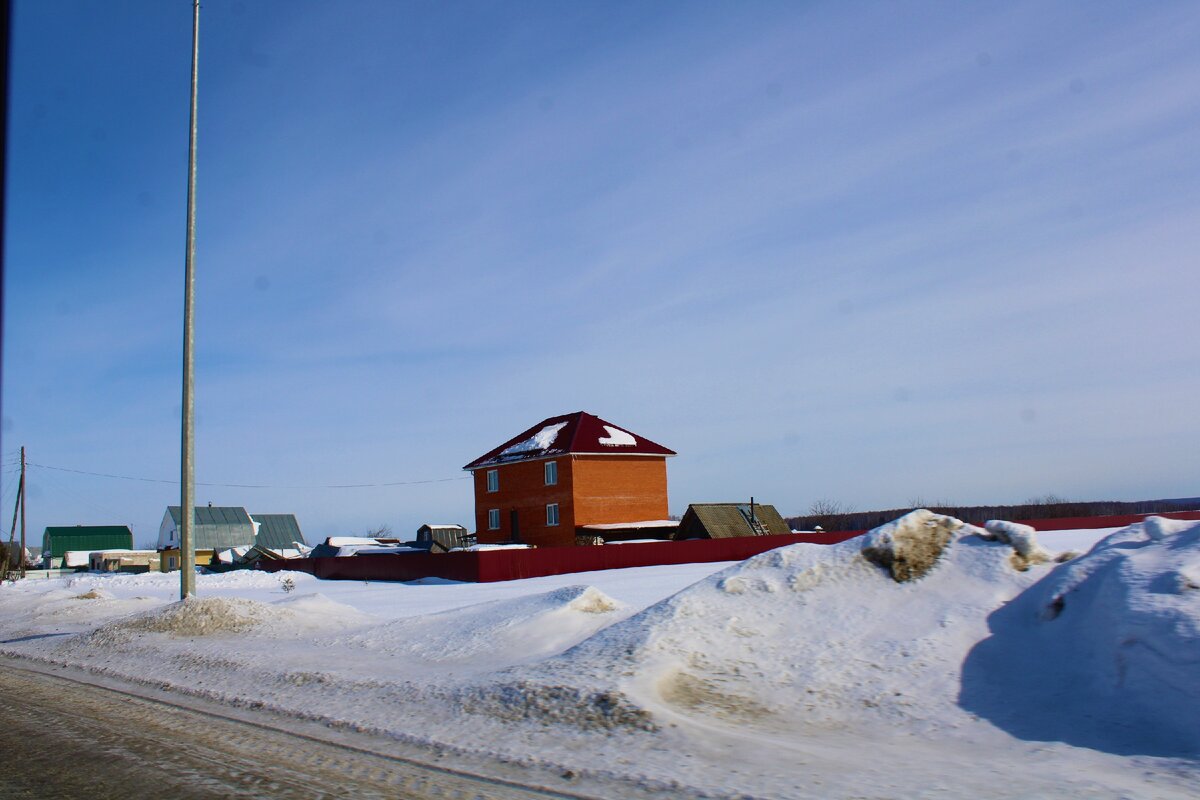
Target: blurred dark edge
x=5 y=37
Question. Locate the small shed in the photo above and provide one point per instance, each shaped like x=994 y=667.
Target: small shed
x=728 y=520
x=442 y=538
x=123 y=561
x=58 y=541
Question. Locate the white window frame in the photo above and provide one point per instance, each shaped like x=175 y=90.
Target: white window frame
x=552 y=517
x=493 y=480
x=493 y=519
x=551 y=473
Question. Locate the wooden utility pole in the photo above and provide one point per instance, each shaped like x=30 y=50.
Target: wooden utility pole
x=22 y=501
x=13 y=530
x=187 y=510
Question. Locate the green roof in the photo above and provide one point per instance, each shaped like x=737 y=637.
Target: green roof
x=217 y=527
x=58 y=540
x=278 y=531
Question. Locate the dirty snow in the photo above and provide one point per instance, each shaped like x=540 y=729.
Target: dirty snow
x=940 y=665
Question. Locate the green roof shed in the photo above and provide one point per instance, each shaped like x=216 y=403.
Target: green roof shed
x=277 y=531
x=58 y=540
x=216 y=528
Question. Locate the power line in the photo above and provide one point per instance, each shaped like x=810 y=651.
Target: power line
x=250 y=485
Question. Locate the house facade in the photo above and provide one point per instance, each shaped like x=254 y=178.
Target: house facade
x=563 y=473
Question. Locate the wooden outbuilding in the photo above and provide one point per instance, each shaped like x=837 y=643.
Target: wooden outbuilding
x=727 y=520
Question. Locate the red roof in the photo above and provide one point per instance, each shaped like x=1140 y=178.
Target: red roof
x=578 y=433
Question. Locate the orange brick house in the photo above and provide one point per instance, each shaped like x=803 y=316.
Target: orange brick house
x=563 y=473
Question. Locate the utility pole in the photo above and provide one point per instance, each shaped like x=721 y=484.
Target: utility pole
x=13 y=530
x=187 y=510
x=22 y=500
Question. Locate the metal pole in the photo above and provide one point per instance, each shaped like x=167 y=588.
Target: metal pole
x=22 y=556
x=187 y=510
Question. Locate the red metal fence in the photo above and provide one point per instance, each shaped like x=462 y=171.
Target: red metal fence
x=506 y=565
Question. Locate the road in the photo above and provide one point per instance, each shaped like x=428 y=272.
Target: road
x=62 y=738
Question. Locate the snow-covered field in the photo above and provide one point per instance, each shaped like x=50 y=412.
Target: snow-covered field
x=1000 y=669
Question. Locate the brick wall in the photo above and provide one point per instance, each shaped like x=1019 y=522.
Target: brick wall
x=591 y=490
x=523 y=488
x=619 y=489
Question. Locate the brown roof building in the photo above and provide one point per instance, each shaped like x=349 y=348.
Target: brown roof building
x=564 y=473
x=726 y=520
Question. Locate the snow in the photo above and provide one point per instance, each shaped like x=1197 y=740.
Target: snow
x=617 y=437
x=637 y=541
x=621 y=526
x=805 y=672
x=479 y=548
x=542 y=440
x=350 y=541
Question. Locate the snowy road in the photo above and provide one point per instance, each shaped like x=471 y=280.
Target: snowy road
x=70 y=739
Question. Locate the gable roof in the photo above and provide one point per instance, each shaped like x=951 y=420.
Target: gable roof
x=277 y=531
x=218 y=527
x=578 y=433
x=60 y=539
x=727 y=520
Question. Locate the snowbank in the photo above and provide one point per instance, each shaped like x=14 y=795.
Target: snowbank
x=924 y=644
x=1105 y=652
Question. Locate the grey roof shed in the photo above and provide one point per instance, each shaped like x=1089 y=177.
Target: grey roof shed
x=218 y=527
x=277 y=531
x=440 y=538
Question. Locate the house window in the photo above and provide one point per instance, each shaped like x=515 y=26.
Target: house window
x=551 y=473
x=493 y=481
x=552 y=514
x=493 y=519
x=171 y=562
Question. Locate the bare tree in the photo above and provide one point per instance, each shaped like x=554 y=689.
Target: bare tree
x=825 y=507
x=381 y=532
x=1048 y=499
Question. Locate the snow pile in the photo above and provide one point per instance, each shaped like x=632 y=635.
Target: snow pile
x=1105 y=652
x=203 y=616
x=910 y=546
x=491 y=635
x=223 y=616
x=96 y=594
x=1023 y=538
x=810 y=635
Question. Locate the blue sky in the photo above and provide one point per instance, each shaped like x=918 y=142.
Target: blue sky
x=865 y=252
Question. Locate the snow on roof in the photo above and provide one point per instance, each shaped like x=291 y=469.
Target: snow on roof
x=624 y=526
x=580 y=433
x=346 y=541
x=637 y=541
x=475 y=548
x=542 y=440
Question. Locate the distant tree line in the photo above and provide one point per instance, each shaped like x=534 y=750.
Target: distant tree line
x=831 y=515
